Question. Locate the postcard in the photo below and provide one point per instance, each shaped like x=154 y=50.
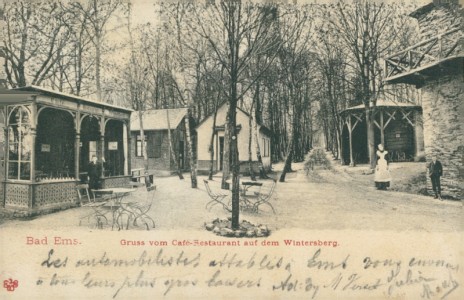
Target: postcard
x=231 y=149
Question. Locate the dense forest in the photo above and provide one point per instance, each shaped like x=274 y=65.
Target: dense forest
x=292 y=67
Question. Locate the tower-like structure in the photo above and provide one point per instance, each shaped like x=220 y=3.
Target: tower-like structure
x=435 y=66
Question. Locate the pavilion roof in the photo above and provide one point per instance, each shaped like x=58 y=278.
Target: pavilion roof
x=45 y=91
x=385 y=103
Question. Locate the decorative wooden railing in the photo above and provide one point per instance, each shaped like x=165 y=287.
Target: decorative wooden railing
x=427 y=53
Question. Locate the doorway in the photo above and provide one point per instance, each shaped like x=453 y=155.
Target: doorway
x=221 y=152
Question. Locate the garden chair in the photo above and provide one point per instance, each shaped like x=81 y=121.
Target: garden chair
x=216 y=197
x=99 y=209
x=139 y=209
x=83 y=193
x=264 y=195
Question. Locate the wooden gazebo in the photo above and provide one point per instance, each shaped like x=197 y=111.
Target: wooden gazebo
x=398 y=126
x=49 y=138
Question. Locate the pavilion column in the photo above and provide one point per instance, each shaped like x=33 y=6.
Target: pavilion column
x=101 y=145
x=418 y=133
x=34 y=120
x=126 y=142
x=33 y=138
x=5 y=144
x=102 y=153
x=5 y=158
x=350 y=131
x=77 y=144
x=77 y=155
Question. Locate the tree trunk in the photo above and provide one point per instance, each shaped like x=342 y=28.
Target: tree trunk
x=171 y=150
x=98 y=66
x=262 y=172
x=235 y=164
x=142 y=137
x=211 y=144
x=226 y=153
x=250 y=141
x=370 y=137
x=193 y=169
x=288 y=162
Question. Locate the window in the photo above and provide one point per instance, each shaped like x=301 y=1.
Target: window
x=138 y=145
x=19 y=144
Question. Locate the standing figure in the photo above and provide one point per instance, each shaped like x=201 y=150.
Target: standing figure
x=382 y=176
x=435 y=172
x=93 y=173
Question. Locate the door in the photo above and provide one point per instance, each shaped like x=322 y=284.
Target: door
x=181 y=155
x=221 y=151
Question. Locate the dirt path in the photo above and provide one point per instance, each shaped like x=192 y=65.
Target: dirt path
x=335 y=200
x=326 y=200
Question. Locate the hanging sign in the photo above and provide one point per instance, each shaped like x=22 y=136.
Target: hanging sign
x=45 y=148
x=112 y=145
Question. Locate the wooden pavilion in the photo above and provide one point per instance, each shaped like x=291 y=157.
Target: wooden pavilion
x=49 y=139
x=398 y=126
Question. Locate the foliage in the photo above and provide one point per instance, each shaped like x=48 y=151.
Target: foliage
x=317 y=157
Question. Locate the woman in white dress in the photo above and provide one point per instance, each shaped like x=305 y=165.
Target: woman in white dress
x=382 y=176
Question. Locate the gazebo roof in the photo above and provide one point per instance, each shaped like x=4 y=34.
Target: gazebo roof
x=385 y=104
x=10 y=97
x=34 y=90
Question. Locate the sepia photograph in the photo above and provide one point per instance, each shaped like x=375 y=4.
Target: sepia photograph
x=229 y=149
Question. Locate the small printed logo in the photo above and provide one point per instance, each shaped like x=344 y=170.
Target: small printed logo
x=10 y=284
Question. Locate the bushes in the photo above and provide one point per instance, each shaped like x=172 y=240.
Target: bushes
x=316 y=157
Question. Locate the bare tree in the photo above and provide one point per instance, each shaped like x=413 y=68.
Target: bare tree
x=230 y=24
x=296 y=59
x=97 y=14
x=367 y=29
x=35 y=38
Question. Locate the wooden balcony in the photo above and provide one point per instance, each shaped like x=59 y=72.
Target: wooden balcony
x=435 y=57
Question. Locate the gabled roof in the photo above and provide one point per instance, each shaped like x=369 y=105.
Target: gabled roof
x=262 y=127
x=156 y=119
x=41 y=90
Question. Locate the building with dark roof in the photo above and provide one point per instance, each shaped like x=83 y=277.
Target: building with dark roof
x=156 y=123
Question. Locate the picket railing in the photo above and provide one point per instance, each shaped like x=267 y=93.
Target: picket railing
x=427 y=53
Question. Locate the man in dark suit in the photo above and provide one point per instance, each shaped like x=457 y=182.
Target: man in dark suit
x=93 y=174
x=435 y=172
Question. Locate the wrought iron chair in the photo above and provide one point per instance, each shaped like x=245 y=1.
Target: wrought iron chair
x=216 y=198
x=264 y=196
x=83 y=193
x=99 y=210
x=138 y=210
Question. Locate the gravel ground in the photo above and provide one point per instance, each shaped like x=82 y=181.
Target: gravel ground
x=321 y=200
